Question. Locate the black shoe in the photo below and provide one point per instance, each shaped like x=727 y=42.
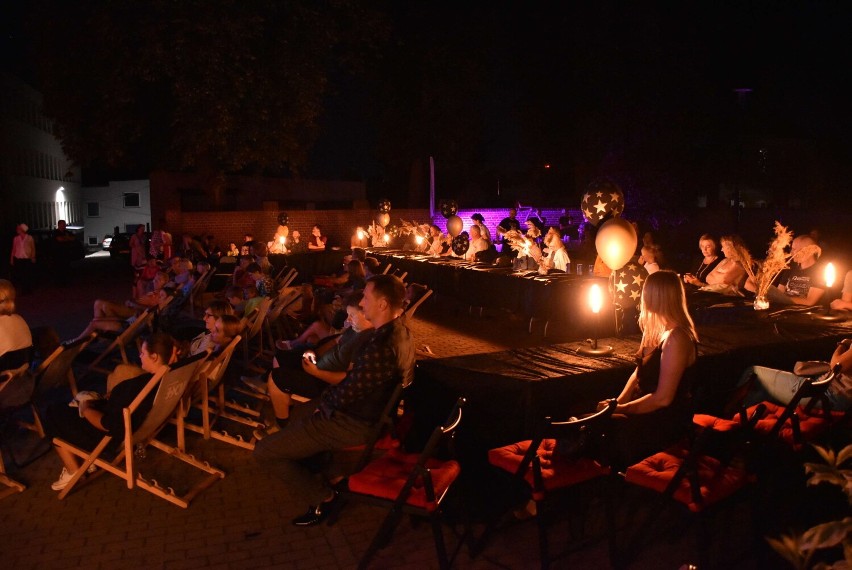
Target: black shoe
x=316 y=513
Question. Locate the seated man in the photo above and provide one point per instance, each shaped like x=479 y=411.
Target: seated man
x=798 y=286
x=297 y=245
x=345 y=413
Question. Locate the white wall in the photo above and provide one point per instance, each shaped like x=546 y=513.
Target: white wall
x=112 y=210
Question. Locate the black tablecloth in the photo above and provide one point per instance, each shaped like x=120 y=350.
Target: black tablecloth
x=556 y=296
x=509 y=391
x=310 y=264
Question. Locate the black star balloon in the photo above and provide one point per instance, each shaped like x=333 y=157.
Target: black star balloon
x=384 y=206
x=602 y=202
x=461 y=243
x=627 y=283
x=449 y=208
x=283 y=219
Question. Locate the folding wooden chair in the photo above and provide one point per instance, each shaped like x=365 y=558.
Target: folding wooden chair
x=412 y=307
x=278 y=309
x=254 y=333
x=538 y=466
x=14 y=388
x=283 y=279
x=209 y=396
x=196 y=293
x=411 y=483
x=55 y=371
x=124 y=339
x=170 y=385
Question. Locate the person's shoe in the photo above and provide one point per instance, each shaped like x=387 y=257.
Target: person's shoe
x=316 y=513
x=62 y=482
x=261 y=433
x=254 y=383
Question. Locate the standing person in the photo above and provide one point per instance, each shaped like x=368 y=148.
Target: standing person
x=63 y=244
x=479 y=221
x=507 y=224
x=161 y=241
x=344 y=414
x=138 y=248
x=23 y=259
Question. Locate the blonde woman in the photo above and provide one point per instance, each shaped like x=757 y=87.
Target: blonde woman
x=730 y=271
x=654 y=410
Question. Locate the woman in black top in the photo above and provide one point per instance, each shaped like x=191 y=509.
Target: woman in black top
x=710 y=252
x=92 y=419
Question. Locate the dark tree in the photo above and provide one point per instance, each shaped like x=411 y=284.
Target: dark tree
x=214 y=86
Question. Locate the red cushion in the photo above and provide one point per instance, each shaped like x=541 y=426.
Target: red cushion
x=715 y=423
x=715 y=480
x=385 y=477
x=811 y=425
x=557 y=472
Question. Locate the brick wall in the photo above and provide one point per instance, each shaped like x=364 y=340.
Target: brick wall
x=338 y=225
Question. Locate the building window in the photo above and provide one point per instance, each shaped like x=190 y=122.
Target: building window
x=131 y=200
x=93 y=240
x=93 y=209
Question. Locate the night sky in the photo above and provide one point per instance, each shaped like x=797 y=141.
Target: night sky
x=645 y=93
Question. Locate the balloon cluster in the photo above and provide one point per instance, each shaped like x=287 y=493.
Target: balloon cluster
x=626 y=285
x=283 y=219
x=603 y=200
x=449 y=209
x=461 y=243
x=384 y=206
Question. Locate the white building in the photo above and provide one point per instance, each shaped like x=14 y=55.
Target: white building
x=125 y=203
x=38 y=183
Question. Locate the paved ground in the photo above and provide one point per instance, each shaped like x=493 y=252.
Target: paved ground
x=243 y=520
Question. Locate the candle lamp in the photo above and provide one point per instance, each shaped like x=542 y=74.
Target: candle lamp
x=595 y=303
x=829 y=315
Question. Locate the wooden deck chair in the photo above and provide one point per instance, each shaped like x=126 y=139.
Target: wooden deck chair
x=121 y=342
x=170 y=385
x=196 y=293
x=10 y=383
x=253 y=341
x=273 y=325
x=55 y=371
x=283 y=279
x=412 y=307
x=210 y=398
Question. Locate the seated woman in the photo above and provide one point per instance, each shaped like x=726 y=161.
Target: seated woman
x=779 y=386
x=557 y=257
x=278 y=243
x=729 y=274
x=310 y=378
x=201 y=342
x=85 y=425
x=654 y=409
x=710 y=259
x=317 y=241
x=844 y=303
x=15 y=336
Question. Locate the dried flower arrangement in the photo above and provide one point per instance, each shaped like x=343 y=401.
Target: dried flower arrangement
x=763 y=273
x=524 y=244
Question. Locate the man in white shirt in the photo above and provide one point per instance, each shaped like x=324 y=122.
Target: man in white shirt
x=477 y=243
x=22 y=259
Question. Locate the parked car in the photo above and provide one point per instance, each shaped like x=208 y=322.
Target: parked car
x=106 y=242
x=119 y=246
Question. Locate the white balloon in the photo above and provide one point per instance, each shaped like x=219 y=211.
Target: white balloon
x=616 y=242
x=454 y=225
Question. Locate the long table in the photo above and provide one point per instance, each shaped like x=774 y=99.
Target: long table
x=509 y=391
x=547 y=297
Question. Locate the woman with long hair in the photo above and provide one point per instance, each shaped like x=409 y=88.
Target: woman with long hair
x=654 y=409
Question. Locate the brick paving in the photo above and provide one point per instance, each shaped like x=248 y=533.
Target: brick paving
x=242 y=521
